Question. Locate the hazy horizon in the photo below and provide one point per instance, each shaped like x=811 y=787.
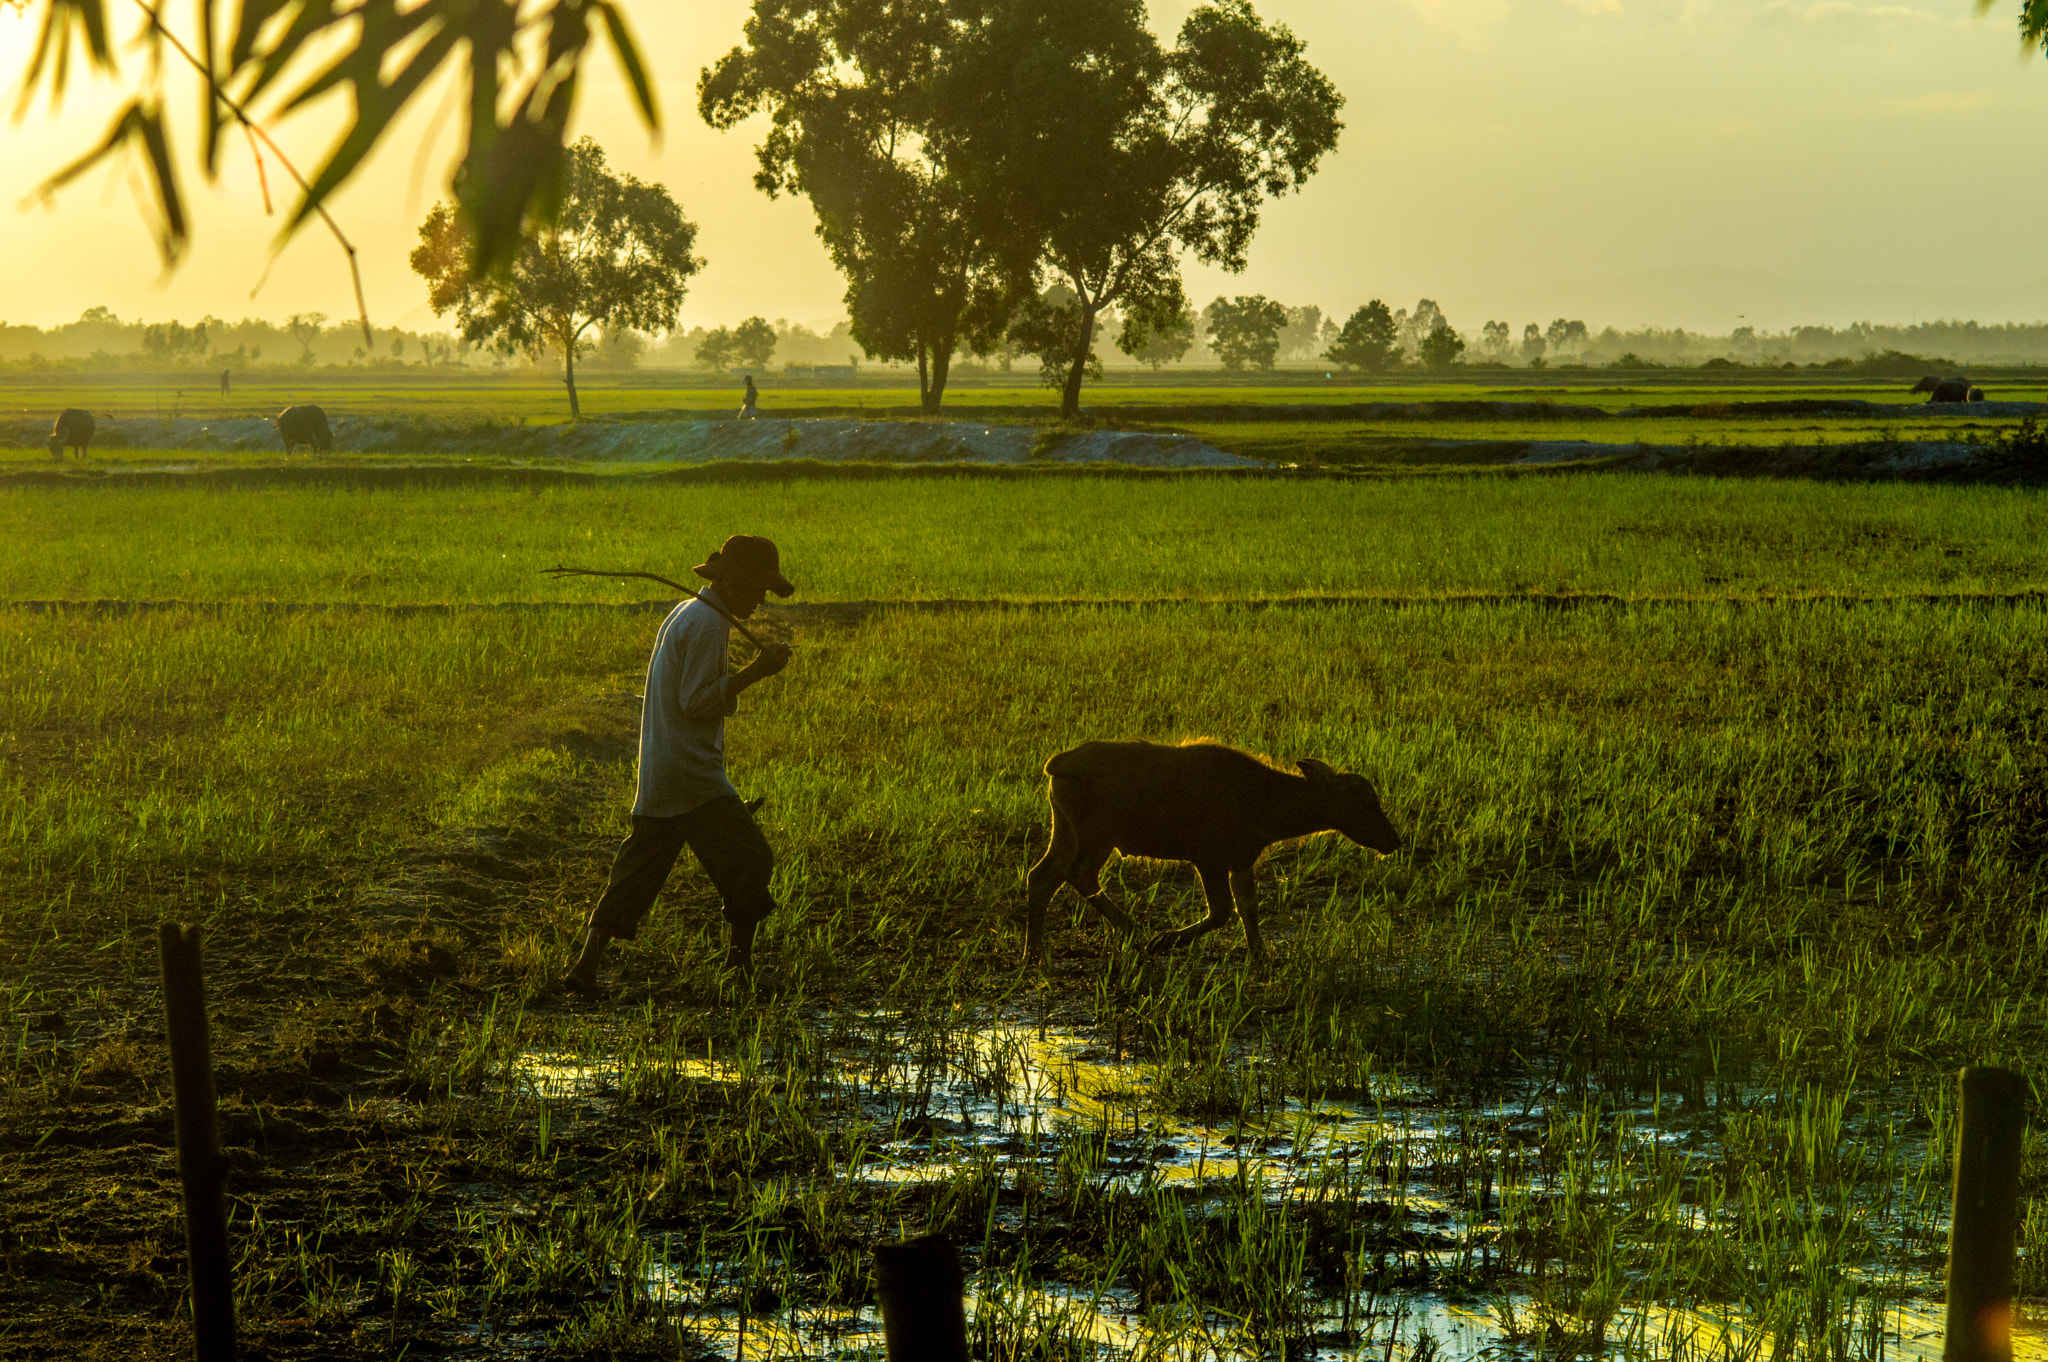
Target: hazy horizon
x=1704 y=164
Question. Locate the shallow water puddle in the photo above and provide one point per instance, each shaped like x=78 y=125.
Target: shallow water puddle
x=1415 y=1327
x=1001 y=1088
x=1038 y=1104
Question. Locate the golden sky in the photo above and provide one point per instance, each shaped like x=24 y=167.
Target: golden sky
x=1704 y=163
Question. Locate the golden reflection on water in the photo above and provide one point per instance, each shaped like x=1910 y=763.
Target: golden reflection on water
x=1010 y=1084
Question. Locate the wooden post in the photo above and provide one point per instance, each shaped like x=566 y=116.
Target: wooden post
x=200 y=1167
x=1985 y=1220
x=924 y=1314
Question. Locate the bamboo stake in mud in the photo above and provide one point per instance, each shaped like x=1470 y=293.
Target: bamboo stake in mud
x=924 y=1315
x=200 y=1167
x=1985 y=1220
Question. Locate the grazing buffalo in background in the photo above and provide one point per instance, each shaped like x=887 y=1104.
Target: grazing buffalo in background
x=74 y=429
x=1948 y=390
x=304 y=425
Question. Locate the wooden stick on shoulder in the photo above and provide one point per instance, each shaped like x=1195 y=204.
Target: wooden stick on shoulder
x=560 y=572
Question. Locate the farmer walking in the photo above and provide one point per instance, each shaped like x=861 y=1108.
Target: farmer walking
x=750 y=404
x=684 y=797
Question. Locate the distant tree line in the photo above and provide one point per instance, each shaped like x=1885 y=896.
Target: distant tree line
x=99 y=340
x=1236 y=334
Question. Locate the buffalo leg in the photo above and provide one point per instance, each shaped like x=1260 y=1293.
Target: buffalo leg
x=1216 y=885
x=1044 y=881
x=1085 y=877
x=1245 y=890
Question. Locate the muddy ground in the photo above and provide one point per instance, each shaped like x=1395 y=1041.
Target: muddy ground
x=334 y=993
x=312 y=1005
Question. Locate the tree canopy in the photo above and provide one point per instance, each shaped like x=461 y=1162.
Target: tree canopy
x=753 y=342
x=1116 y=155
x=716 y=351
x=617 y=254
x=1245 y=330
x=1367 y=340
x=863 y=104
x=1166 y=344
x=1441 y=348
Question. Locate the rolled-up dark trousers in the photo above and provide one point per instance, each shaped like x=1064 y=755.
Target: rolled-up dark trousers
x=728 y=844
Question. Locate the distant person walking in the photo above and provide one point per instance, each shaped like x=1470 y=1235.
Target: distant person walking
x=750 y=404
x=224 y=383
x=684 y=797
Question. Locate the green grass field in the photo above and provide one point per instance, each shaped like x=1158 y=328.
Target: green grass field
x=1642 y=1045
x=1042 y=538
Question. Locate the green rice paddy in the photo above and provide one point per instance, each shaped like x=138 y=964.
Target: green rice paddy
x=1643 y=1046
x=1035 y=539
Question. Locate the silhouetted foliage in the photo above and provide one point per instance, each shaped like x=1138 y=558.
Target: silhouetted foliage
x=1117 y=155
x=1441 y=348
x=717 y=350
x=753 y=342
x=1367 y=340
x=1302 y=333
x=865 y=120
x=1167 y=344
x=517 y=68
x=616 y=254
x=1245 y=330
x=175 y=342
x=1566 y=335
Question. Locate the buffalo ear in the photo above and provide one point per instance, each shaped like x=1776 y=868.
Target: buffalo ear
x=1317 y=770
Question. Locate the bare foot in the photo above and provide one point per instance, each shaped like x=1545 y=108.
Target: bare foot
x=582 y=976
x=573 y=982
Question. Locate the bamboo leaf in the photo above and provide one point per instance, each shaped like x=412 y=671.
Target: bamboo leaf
x=630 y=62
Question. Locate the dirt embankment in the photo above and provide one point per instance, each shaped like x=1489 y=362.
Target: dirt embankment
x=824 y=441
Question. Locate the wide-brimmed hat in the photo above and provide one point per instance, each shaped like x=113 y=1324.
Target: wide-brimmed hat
x=747 y=557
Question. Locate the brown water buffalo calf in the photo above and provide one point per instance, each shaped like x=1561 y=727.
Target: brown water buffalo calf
x=74 y=430
x=305 y=425
x=1199 y=802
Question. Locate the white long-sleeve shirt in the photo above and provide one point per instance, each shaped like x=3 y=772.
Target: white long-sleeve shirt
x=682 y=716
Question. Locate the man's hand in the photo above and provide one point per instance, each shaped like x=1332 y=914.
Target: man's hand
x=771 y=659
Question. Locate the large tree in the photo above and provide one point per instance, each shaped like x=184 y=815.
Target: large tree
x=1165 y=345
x=1368 y=340
x=1245 y=330
x=617 y=254
x=753 y=341
x=1119 y=155
x=861 y=97
x=1441 y=348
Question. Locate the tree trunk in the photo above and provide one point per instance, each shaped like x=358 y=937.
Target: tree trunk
x=942 y=360
x=1084 y=344
x=924 y=399
x=569 y=377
